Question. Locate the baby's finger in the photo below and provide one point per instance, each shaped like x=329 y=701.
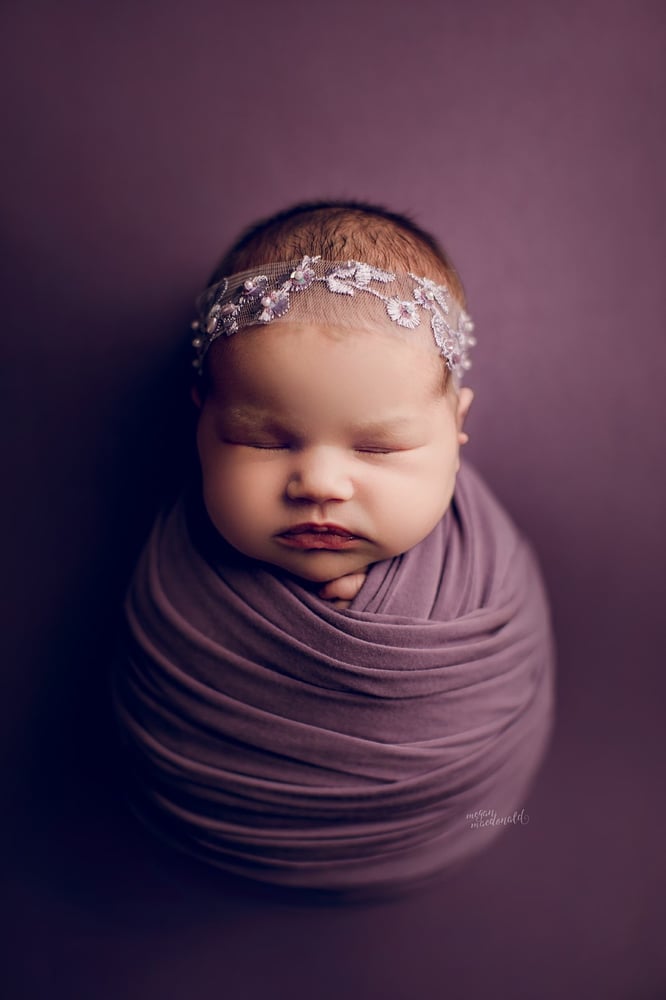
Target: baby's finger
x=345 y=588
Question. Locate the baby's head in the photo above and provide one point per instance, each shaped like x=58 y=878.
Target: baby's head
x=330 y=345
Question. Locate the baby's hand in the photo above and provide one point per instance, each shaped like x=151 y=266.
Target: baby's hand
x=343 y=590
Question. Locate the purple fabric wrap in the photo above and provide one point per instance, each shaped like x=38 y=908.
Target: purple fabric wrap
x=284 y=740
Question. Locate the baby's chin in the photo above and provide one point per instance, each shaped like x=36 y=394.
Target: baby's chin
x=320 y=568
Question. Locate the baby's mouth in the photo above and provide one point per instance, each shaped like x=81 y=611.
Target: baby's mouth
x=318 y=536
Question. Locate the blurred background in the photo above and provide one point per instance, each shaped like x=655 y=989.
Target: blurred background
x=139 y=137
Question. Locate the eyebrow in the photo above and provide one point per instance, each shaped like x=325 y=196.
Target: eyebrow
x=254 y=419
x=392 y=425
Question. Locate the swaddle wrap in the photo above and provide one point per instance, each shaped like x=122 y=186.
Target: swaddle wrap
x=280 y=738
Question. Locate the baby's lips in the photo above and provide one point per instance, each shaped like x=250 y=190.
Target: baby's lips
x=314 y=528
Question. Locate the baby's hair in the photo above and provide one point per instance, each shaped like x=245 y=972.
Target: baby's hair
x=342 y=230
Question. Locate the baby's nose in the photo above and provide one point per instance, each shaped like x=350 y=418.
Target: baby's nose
x=320 y=475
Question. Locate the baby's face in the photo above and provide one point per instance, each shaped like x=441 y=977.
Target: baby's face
x=324 y=450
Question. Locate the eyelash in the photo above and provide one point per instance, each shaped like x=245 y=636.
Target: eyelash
x=286 y=447
x=376 y=451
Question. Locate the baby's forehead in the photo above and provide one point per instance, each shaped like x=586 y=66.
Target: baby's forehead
x=290 y=353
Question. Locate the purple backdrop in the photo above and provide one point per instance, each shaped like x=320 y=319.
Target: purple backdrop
x=530 y=138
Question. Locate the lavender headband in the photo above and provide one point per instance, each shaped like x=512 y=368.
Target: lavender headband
x=321 y=291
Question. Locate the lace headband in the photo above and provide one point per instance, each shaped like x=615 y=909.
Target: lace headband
x=321 y=291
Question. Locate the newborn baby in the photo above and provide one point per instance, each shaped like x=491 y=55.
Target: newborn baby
x=338 y=644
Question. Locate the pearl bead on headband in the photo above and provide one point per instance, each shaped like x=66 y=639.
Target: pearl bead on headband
x=321 y=291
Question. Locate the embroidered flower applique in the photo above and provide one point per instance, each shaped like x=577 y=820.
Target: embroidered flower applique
x=427 y=294
x=403 y=313
x=356 y=276
x=275 y=304
x=303 y=276
x=254 y=287
x=261 y=300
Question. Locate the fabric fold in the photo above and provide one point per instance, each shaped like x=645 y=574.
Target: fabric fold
x=285 y=740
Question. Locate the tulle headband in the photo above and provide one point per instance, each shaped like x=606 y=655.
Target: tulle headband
x=348 y=293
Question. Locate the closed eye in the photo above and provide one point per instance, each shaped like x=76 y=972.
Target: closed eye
x=376 y=451
x=384 y=449
x=267 y=446
x=261 y=445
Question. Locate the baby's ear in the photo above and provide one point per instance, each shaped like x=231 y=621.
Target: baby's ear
x=465 y=398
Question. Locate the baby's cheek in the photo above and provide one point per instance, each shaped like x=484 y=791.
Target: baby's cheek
x=219 y=484
x=420 y=504
x=242 y=494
